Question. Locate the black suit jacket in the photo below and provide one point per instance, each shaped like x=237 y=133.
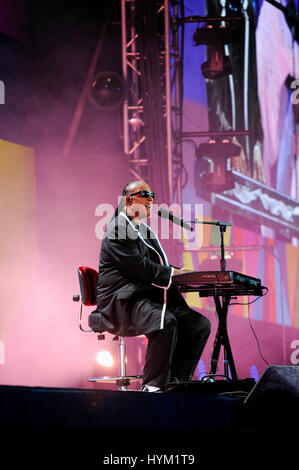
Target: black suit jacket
x=133 y=267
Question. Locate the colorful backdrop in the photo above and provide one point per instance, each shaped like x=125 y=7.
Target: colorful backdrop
x=48 y=200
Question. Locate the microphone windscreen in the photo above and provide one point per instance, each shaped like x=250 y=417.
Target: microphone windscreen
x=163 y=213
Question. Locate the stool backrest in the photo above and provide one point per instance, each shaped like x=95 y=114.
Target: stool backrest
x=88 y=278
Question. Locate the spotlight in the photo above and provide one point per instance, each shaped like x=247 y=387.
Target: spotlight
x=213 y=165
x=105 y=359
x=210 y=34
x=220 y=149
x=218 y=64
x=106 y=90
x=136 y=124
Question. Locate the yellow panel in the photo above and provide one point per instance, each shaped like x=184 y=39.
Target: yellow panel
x=17 y=234
x=192 y=298
x=187 y=261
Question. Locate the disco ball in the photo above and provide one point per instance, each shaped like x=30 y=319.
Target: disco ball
x=106 y=90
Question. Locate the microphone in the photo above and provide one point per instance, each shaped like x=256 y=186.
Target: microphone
x=176 y=220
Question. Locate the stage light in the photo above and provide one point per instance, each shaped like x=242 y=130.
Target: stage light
x=215 y=34
x=218 y=63
x=106 y=90
x=136 y=123
x=213 y=166
x=218 y=149
x=104 y=358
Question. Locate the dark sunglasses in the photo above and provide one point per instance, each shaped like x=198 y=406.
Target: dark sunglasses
x=144 y=193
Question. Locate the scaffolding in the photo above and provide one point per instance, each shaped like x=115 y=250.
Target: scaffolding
x=152 y=70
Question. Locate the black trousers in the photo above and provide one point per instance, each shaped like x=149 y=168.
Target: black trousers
x=173 y=352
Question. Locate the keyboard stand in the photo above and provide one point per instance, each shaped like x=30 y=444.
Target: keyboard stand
x=221 y=338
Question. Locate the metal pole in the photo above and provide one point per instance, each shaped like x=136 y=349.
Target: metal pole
x=81 y=103
x=122 y=361
x=122 y=357
x=125 y=76
x=177 y=81
x=168 y=99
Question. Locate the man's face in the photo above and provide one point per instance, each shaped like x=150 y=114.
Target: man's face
x=139 y=205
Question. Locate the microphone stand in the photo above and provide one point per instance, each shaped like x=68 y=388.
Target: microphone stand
x=221 y=338
x=222 y=227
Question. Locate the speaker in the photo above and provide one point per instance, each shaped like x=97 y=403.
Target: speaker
x=273 y=401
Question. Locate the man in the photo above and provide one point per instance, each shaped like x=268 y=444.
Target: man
x=135 y=294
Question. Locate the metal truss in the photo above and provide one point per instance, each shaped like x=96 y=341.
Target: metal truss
x=133 y=135
x=140 y=140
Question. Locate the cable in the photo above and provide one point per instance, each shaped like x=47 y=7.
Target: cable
x=252 y=301
x=239 y=393
x=250 y=324
x=256 y=338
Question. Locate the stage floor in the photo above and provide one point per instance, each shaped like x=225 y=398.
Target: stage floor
x=188 y=426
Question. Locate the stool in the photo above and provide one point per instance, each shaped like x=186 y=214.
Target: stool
x=88 y=278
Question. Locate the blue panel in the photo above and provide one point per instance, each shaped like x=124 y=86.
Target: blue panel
x=194 y=56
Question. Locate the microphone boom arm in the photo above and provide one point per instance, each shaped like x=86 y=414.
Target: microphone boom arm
x=222 y=227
